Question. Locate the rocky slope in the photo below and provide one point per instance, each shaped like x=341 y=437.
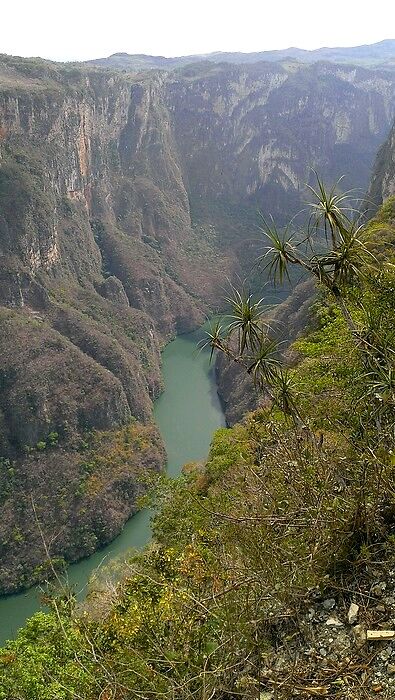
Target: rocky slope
x=85 y=304
x=125 y=201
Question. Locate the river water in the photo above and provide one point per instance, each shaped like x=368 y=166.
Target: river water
x=187 y=414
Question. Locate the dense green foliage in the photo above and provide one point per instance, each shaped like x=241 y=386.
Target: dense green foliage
x=278 y=509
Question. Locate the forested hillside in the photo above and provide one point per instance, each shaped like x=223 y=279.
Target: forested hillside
x=271 y=561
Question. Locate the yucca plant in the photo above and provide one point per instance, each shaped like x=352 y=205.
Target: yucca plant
x=328 y=208
x=245 y=319
x=341 y=266
x=377 y=339
x=279 y=254
x=284 y=395
x=380 y=385
x=265 y=363
x=215 y=338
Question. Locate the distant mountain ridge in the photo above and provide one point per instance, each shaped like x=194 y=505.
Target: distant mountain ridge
x=380 y=55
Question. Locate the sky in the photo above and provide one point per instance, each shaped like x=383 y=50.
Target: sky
x=83 y=29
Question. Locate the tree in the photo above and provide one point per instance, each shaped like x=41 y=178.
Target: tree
x=334 y=249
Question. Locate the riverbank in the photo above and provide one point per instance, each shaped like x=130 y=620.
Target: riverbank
x=187 y=413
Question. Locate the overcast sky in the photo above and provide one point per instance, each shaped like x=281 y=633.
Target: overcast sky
x=83 y=29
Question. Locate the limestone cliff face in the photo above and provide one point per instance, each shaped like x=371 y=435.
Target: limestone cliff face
x=118 y=160
x=251 y=134
x=80 y=267
x=92 y=162
x=125 y=201
x=382 y=184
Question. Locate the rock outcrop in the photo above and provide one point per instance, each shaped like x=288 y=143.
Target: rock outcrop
x=382 y=184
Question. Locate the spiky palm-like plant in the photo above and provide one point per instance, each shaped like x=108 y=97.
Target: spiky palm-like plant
x=245 y=319
x=328 y=208
x=341 y=265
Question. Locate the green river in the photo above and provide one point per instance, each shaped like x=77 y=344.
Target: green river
x=187 y=414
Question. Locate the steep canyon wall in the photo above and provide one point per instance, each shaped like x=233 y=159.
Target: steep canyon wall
x=126 y=200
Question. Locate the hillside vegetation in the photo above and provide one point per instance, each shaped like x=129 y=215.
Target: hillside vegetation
x=283 y=518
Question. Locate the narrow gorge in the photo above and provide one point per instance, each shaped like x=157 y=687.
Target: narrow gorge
x=126 y=200
x=197 y=506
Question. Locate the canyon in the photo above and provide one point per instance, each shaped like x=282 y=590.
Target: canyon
x=127 y=199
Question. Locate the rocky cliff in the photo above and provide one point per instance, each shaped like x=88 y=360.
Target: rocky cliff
x=125 y=201
x=249 y=136
x=87 y=297
x=382 y=184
